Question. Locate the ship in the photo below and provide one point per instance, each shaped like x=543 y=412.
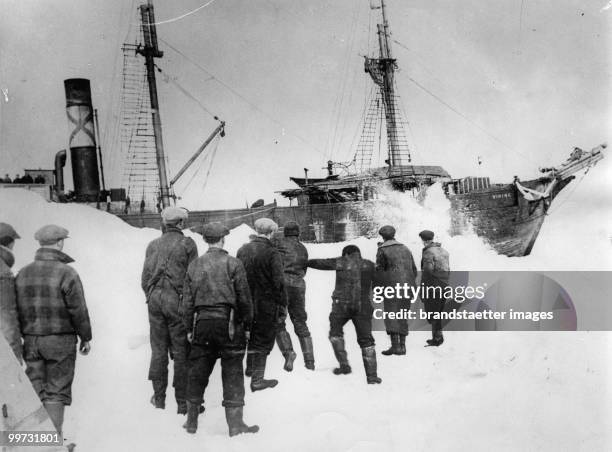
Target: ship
x=339 y=207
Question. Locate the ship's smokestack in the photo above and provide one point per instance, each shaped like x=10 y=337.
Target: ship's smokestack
x=82 y=141
x=60 y=162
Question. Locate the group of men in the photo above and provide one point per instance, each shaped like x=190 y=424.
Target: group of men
x=26 y=179
x=42 y=313
x=210 y=307
x=221 y=307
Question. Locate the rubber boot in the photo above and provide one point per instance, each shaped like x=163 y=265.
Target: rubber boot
x=395 y=348
x=183 y=407
x=436 y=337
x=193 y=410
x=338 y=346
x=283 y=339
x=159 y=394
x=258 y=383
x=402 y=344
x=248 y=370
x=369 y=363
x=236 y=424
x=307 y=351
x=56 y=414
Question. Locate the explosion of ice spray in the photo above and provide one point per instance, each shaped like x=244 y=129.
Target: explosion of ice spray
x=409 y=216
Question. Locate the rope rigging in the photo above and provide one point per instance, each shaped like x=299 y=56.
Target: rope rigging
x=210 y=157
x=243 y=98
x=172 y=79
x=466 y=118
x=182 y=16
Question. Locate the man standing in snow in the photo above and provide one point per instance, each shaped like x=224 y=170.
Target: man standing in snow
x=264 y=268
x=351 y=301
x=217 y=311
x=52 y=313
x=163 y=274
x=436 y=273
x=295 y=261
x=394 y=265
x=9 y=321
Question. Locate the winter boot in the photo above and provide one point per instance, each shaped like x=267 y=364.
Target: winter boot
x=402 y=344
x=193 y=410
x=395 y=348
x=437 y=337
x=236 y=424
x=258 y=383
x=283 y=339
x=159 y=394
x=306 y=345
x=338 y=346
x=369 y=363
x=248 y=371
x=56 y=414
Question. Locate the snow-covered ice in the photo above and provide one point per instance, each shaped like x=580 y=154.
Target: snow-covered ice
x=480 y=391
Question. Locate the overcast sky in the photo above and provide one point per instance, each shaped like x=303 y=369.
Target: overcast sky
x=530 y=79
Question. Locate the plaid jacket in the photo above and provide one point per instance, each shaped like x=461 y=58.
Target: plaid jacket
x=50 y=298
x=9 y=321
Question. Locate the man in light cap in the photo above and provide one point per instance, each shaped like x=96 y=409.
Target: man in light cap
x=52 y=313
x=9 y=320
x=163 y=274
x=394 y=265
x=295 y=264
x=435 y=277
x=218 y=312
x=264 y=268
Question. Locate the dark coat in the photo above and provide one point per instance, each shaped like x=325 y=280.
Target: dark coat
x=166 y=262
x=354 y=277
x=436 y=273
x=435 y=265
x=394 y=264
x=295 y=260
x=216 y=283
x=264 y=268
x=9 y=319
x=50 y=298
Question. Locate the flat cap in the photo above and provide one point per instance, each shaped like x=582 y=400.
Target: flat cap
x=265 y=226
x=6 y=230
x=387 y=232
x=50 y=234
x=171 y=215
x=426 y=235
x=214 y=230
x=291 y=228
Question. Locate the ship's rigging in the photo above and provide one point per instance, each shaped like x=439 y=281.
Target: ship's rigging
x=508 y=216
x=145 y=176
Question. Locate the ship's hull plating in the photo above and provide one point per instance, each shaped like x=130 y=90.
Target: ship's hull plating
x=500 y=215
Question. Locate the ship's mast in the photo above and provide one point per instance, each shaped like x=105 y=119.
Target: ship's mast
x=150 y=51
x=388 y=66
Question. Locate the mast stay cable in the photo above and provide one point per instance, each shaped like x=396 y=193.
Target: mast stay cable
x=182 y=16
x=243 y=98
x=171 y=79
x=470 y=121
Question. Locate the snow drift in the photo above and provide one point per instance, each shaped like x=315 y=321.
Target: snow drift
x=480 y=391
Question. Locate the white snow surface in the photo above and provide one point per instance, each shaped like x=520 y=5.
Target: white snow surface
x=479 y=391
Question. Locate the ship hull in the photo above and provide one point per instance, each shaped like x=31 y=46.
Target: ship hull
x=500 y=215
